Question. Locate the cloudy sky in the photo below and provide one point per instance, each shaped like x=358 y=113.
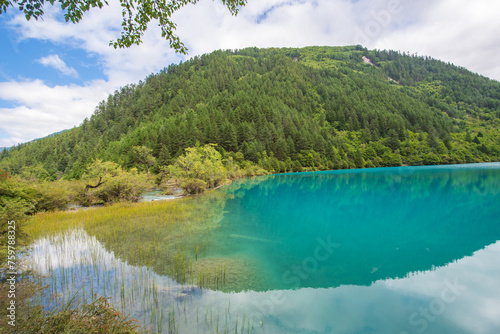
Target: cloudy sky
x=53 y=74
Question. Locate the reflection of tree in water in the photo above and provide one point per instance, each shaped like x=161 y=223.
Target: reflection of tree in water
x=166 y=236
x=388 y=222
x=245 y=236
x=418 y=180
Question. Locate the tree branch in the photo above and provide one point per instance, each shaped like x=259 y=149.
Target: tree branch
x=88 y=186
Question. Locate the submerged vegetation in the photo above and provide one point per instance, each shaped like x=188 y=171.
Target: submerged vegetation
x=148 y=242
x=168 y=236
x=94 y=316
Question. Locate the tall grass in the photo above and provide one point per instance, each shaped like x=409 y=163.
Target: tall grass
x=165 y=235
x=35 y=312
x=80 y=268
x=147 y=257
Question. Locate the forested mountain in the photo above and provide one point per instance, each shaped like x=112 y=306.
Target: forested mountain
x=287 y=109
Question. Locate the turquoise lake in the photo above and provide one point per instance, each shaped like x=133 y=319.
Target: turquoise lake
x=384 y=250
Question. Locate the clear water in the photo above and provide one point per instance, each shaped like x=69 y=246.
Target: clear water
x=389 y=250
x=157 y=195
x=329 y=229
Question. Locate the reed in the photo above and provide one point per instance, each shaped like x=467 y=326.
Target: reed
x=166 y=235
x=126 y=252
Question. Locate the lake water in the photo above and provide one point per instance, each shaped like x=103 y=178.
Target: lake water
x=386 y=250
x=158 y=195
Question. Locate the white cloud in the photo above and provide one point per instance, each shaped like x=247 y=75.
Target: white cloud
x=55 y=62
x=43 y=110
x=465 y=33
x=286 y=23
x=462 y=32
x=458 y=31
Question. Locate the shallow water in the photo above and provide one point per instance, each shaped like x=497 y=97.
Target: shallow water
x=157 y=195
x=387 y=250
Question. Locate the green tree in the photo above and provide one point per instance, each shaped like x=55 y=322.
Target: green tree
x=164 y=157
x=199 y=168
x=107 y=182
x=144 y=156
x=100 y=172
x=34 y=173
x=431 y=159
x=358 y=159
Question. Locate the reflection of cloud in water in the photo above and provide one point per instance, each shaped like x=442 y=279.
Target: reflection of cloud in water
x=67 y=250
x=461 y=297
x=388 y=221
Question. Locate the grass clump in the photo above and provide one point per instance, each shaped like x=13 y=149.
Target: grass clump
x=97 y=316
x=167 y=236
x=31 y=316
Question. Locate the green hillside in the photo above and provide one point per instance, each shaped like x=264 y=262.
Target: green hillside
x=287 y=110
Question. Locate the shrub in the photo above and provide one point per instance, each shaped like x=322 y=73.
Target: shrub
x=193 y=186
x=203 y=163
x=107 y=182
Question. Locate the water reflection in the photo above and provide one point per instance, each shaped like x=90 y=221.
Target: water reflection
x=263 y=233
x=411 y=250
x=385 y=222
x=461 y=297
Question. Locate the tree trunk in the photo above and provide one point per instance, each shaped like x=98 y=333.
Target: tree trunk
x=88 y=186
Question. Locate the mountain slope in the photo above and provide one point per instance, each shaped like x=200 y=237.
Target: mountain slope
x=285 y=109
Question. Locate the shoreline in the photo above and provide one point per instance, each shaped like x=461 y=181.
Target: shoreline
x=75 y=208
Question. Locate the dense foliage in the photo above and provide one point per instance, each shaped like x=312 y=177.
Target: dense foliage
x=285 y=110
x=20 y=198
x=200 y=168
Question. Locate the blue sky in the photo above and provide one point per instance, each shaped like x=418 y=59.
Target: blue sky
x=53 y=74
x=22 y=59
